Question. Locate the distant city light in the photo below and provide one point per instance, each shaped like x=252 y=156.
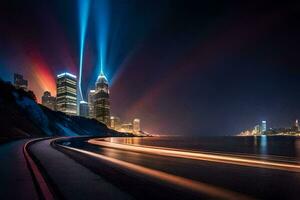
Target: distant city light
x=262 y=130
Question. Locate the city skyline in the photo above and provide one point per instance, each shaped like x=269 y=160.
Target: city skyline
x=87 y=110
x=68 y=100
x=144 y=99
x=234 y=68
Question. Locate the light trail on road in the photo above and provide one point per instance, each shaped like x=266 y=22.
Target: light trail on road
x=179 y=153
x=163 y=177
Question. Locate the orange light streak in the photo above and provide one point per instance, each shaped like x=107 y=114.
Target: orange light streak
x=179 y=153
x=167 y=178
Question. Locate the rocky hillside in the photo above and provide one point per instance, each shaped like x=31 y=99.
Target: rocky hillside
x=21 y=116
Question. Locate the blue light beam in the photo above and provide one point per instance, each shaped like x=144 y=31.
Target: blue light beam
x=83 y=9
x=102 y=28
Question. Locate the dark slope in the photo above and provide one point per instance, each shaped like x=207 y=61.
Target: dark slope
x=21 y=116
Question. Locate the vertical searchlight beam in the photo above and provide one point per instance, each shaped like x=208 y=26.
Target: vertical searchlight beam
x=83 y=9
x=102 y=28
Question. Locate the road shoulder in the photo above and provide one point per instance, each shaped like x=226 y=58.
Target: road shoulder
x=16 y=181
x=73 y=180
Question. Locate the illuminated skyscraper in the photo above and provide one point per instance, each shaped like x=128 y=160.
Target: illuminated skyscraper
x=91 y=103
x=136 y=125
x=49 y=101
x=20 y=82
x=115 y=123
x=263 y=127
x=66 y=86
x=101 y=100
x=126 y=128
x=297 y=125
x=83 y=109
x=256 y=130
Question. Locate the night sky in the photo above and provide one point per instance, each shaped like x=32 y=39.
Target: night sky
x=183 y=67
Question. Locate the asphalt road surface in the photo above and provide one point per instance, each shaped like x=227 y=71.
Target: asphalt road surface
x=145 y=172
x=94 y=168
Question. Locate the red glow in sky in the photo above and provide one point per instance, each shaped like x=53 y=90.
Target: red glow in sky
x=43 y=79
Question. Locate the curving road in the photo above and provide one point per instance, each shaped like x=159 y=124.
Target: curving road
x=88 y=168
x=213 y=175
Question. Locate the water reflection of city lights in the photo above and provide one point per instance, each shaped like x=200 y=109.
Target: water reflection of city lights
x=264 y=145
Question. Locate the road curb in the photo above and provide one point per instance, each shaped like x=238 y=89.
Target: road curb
x=43 y=188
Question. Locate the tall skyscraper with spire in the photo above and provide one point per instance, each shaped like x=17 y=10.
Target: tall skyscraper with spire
x=101 y=100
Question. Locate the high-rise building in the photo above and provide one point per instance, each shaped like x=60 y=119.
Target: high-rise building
x=136 y=125
x=20 y=82
x=101 y=100
x=115 y=123
x=263 y=127
x=91 y=103
x=126 y=128
x=49 y=101
x=66 y=86
x=256 y=130
x=297 y=125
x=83 y=109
